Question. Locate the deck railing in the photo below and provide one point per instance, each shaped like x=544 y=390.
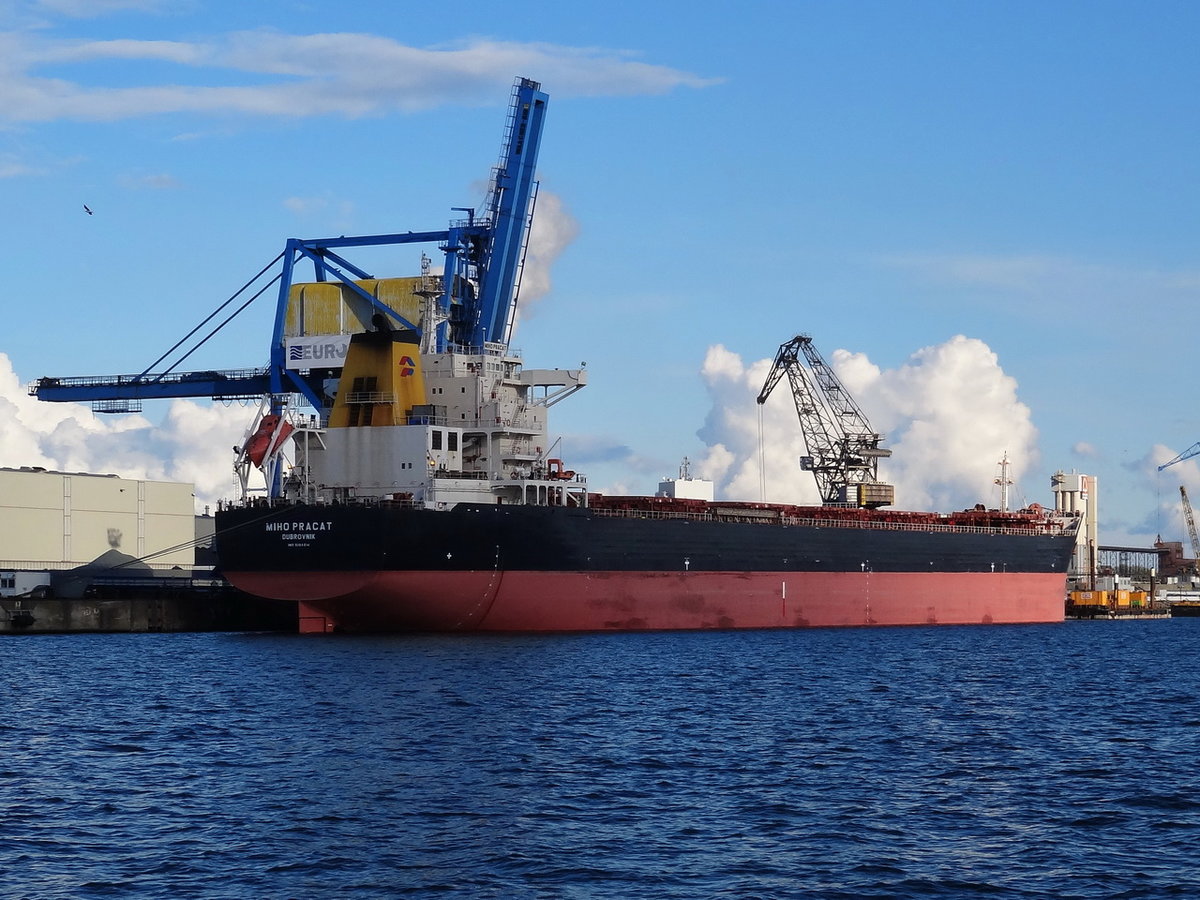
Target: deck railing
x=1034 y=527
x=805 y=522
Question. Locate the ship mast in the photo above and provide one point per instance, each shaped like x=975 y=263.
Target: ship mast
x=1004 y=481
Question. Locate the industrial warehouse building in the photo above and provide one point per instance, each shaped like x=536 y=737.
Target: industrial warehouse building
x=52 y=521
x=98 y=553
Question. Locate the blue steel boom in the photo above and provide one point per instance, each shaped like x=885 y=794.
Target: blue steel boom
x=480 y=284
x=1191 y=451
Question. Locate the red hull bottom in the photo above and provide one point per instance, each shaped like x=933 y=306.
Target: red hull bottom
x=629 y=601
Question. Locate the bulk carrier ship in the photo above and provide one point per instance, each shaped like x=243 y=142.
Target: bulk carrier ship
x=452 y=517
x=421 y=491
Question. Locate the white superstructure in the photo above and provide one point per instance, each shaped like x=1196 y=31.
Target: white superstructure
x=480 y=436
x=685 y=487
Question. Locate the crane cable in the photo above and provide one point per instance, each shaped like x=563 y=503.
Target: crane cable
x=762 y=470
x=211 y=315
x=228 y=319
x=196 y=542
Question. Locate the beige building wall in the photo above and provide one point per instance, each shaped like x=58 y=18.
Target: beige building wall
x=58 y=517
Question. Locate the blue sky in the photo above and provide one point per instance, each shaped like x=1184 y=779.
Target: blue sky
x=985 y=214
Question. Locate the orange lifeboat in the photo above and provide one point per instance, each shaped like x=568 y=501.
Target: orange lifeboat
x=557 y=472
x=272 y=431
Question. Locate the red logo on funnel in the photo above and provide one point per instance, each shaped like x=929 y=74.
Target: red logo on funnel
x=407 y=366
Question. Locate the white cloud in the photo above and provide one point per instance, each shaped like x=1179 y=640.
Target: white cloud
x=341 y=74
x=194 y=442
x=554 y=228
x=126 y=49
x=328 y=205
x=948 y=414
x=13 y=168
x=1010 y=273
x=1055 y=287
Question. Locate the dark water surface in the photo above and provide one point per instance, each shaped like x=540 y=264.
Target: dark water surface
x=1037 y=761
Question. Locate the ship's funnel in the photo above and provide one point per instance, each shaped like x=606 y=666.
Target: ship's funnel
x=381 y=380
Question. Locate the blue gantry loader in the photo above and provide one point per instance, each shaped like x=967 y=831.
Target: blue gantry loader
x=474 y=304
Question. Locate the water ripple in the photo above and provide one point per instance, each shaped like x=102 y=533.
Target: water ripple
x=1030 y=762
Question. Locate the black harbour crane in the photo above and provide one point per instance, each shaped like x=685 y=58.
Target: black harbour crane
x=843 y=449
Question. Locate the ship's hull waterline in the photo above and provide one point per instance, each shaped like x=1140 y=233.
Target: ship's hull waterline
x=539 y=569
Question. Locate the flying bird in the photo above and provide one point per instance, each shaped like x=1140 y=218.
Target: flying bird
x=87 y=210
